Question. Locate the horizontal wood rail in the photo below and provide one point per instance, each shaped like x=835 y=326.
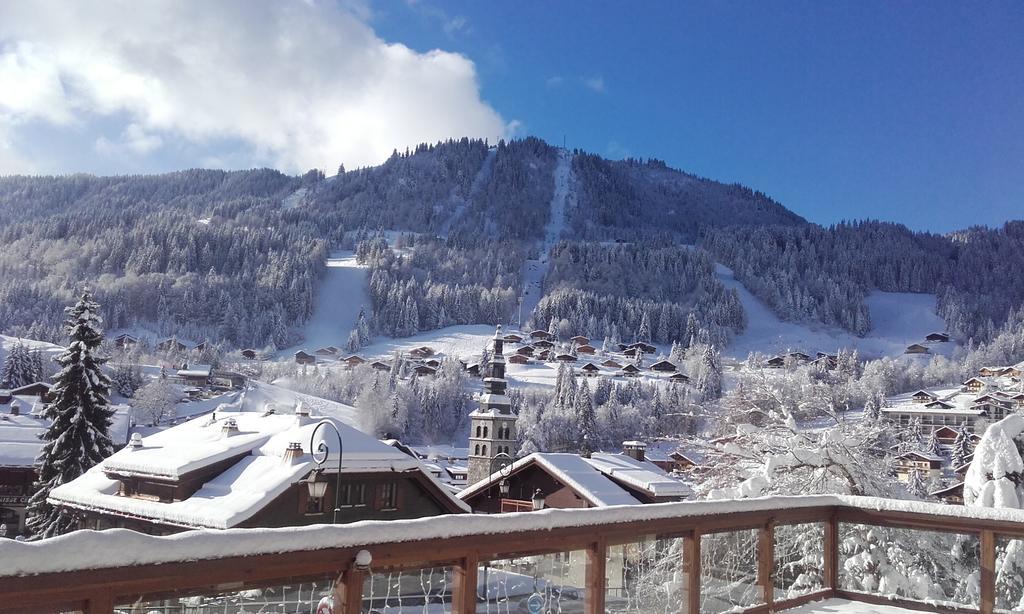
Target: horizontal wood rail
x=189 y=564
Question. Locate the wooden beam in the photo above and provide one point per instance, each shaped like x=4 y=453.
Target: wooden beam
x=350 y=599
x=831 y=556
x=100 y=603
x=465 y=585
x=766 y=562
x=597 y=580
x=691 y=571
x=988 y=572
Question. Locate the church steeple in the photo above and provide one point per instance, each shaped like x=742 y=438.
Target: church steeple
x=492 y=435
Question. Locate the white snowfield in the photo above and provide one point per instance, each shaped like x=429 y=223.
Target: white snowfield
x=897 y=318
x=122 y=547
x=562 y=200
x=342 y=293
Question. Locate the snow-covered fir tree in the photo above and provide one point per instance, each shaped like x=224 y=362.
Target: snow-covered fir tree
x=22 y=367
x=78 y=437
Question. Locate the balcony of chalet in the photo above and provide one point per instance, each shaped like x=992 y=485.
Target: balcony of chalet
x=804 y=555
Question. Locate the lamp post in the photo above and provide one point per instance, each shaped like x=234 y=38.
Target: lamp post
x=318 y=487
x=538 y=500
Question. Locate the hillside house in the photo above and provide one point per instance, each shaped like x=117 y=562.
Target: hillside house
x=304 y=358
x=923 y=396
x=519 y=359
x=526 y=350
x=579 y=340
x=630 y=370
x=646 y=348
x=171 y=345
x=611 y=364
x=539 y=334
x=38 y=390
x=422 y=352
x=928 y=465
x=513 y=338
x=200 y=347
x=227 y=379
x=973 y=384
x=125 y=341
x=916 y=348
x=543 y=344
x=938 y=338
x=424 y=370
x=249 y=354
x=353 y=361
x=566 y=358
x=664 y=366
x=245 y=469
x=586 y=349
x=195 y=375
x=775 y=362
x=328 y=352
x=590 y=370
x=679 y=378
x=380 y=365
x=953 y=495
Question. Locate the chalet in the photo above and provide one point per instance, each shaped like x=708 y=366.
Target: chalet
x=246 y=469
x=5 y=396
x=526 y=350
x=611 y=364
x=683 y=462
x=200 y=347
x=679 y=378
x=553 y=480
x=513 y=338
x=923 y=396
x=590 y=369
x=519 y=359
x=646 y=348
x=974 y=384
x=20 y=445
x=473 y=368
x=632 y=352
x=994 y=408
x=994 y=371
x=422 y=352
x=195 y=375
x=664 y=366
x=423 y=370
x=565 y=358
x=630 y=370
x=302 y=358
x=826 y=361
x=353 y=361
x=250 y=354
x=380 y=365
x=928 y=465
x=544 y=355
x=953 y=495
x=328 y=352
x=775 y=362
x=543 y=344
x=227 y=379
x=40 y=390
x=540 y=334
x=946 y=435
x=799 y=357
x=939 y=405
x=432 y=363
x=125 y=341
x=586 y=349
x=580 y=340
x=938 y=338
x=916 y=348
x=171 y=345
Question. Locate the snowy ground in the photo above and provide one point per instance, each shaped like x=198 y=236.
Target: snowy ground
x=561 y=201
x=898 y=319
x=458 y=341
x=294 y=199
x=842 y=606
x=342 y=292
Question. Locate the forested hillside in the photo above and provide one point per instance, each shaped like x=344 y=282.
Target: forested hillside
x=238 y=255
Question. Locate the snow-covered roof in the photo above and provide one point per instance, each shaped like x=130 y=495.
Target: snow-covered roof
x=639 y=474
x=196 y=371
x=259 y=476
x=19 y=435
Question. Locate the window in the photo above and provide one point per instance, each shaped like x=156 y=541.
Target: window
x=389 y=496
x=314 y=505
x=476 y=450
x=478 y=430
x=485 y=431
x=352 y=495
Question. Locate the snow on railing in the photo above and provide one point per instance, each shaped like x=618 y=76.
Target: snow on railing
x=705 y=544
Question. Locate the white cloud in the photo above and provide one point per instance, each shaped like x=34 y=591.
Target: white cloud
x=300 y=84
x=554 y=81
x=596 y=84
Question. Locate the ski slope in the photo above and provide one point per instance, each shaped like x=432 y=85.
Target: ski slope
x=898 y=319
x=460 y=203
x=563 y=198
x=343 y=292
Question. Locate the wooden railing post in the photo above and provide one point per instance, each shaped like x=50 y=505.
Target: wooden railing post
x=766 y=562
x=348 y=592
x=102 y=603
x=691 y=572
x=831 y=553
x=988 y=572
x=465 y=580
x=597 y=582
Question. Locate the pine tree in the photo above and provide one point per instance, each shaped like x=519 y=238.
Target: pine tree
x=709 y=379
x=78 y=437
x=19 y=369
x=586 y=419
x=933 y=446
x=917 y=486
x=961 y=448
x=643 y=333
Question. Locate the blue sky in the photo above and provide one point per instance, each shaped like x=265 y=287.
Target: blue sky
x=910 y=112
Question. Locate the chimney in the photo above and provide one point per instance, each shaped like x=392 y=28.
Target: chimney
x=135 y=443
x=292 y=453
x=230 y=427
x=634 y=449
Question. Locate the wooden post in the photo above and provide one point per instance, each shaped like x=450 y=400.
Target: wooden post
x=465 y=580
x=766 y=562
x=102 y=603
x=831 y=556
x=988 y=572
x=691 y=572
x=348 y=592
x=597 y=581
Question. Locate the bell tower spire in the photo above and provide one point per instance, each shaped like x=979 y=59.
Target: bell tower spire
x=492 y=434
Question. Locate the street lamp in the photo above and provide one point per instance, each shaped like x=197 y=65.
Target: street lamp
x=538 y=500
x=317 y=484
x=506 y=470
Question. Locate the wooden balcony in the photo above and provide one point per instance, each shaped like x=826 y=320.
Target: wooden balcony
x=693 y=557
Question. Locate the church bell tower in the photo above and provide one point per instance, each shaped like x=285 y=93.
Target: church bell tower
x=492 y=429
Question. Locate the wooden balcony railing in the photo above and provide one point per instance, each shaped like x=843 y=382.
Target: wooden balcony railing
x=472 y=561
